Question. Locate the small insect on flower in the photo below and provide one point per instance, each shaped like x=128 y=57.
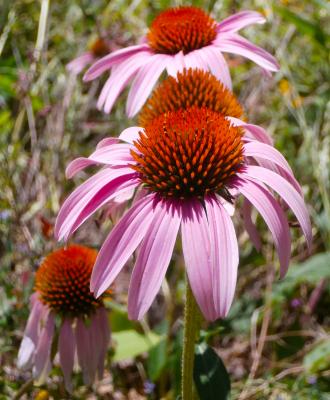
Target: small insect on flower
x=62 y=292
x=182 y=37
x=191 y=163
x=98 y=49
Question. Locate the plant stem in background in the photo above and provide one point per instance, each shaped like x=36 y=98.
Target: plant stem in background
x=191 y=322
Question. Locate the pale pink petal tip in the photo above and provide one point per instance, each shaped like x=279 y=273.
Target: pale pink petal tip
x=42 y=362
x=240 y=20
x=67 y=349
x=79 y=63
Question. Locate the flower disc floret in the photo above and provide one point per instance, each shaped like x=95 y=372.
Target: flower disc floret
x=188 y=153
x=181 y=29
x=62 y=281
x=193 y=87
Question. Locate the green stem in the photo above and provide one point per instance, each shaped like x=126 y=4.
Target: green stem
x=191 y=322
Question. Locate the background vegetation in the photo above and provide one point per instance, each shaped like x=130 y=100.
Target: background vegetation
x=275 y=343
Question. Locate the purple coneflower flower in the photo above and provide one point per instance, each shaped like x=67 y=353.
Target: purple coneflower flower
x=183 y=37
x=191 y=163
x=62 y=291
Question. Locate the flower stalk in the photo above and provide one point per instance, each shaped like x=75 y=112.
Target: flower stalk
x=191 y=330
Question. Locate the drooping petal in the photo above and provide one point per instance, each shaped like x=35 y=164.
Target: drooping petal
x=42 y=354
x=31 y=335
x=236 y=44
x=108 y=192
x=196 y=248
x=67 y=348
x=254 y=131
x=111 y=59
x=249 y=225
x=144 y=82
x=175 y=64
x=84 y=350
x=217 y=64
x=286 y=191
x=89 y=196
x=121 y=243
x=269 y=153
x=194 y=60
x=78 y=64
x=114 y=154
x=274 y=217
x=120 y=77
x=240 y=20
x=153 y=259
x=225 y=256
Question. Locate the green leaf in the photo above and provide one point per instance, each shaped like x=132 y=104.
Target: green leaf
x=157 y=360
x=318 y=359
x=310 y=271
x=130 y=344
x=210 y=375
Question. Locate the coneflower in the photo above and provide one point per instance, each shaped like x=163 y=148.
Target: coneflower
x=191 y=163
x=62 y=294
x=182 y=37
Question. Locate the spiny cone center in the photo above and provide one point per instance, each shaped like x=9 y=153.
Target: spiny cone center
x=181 y=28
x=193 y=87
x=63 y=278
x=188 y=153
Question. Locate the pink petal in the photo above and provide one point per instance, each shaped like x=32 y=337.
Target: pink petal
x=195 y=60
x=78 y=64
x=114 y=154
x=240 y=20
x=107 y=142
x=249 y=225
x=269 y=153
x=98 y=189
x=67 y=348
x=286 y=191
x=234 y=43
x=143 y=83
x=253 y=131
x=217 y=64
x=153 y=259
x=111 y=59
x=197 y=251
x=31 y=335
x=121 y=243
x=84 y=350
x=175 y=64
x=130 y=135
x=120 y=77
x=42 y=354
x=274 y=217
x=108 y=192
x=225 y=256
